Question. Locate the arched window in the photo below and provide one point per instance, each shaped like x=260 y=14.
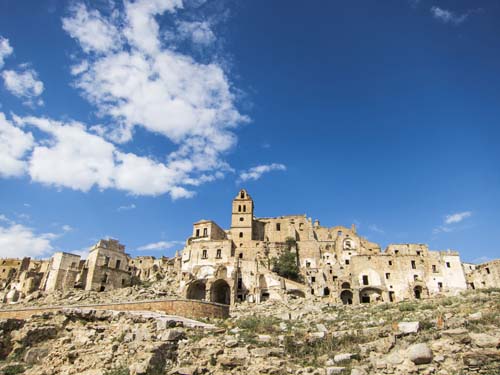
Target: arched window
x=242 y=194
x=240 y=256
x=204 y=254
x=219 y=254
x=239 y=208
x=205 y=232
x=244 y=208
x=241 y=234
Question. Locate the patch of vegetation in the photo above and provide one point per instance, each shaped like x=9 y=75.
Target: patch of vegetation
x=407 y=306
x=425 y=325
x=123 y=370
x=487 y=320
x=286 y=265
x=13 y=369
x=259 y=324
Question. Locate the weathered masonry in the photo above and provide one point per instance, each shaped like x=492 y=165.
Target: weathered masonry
x=233 y=265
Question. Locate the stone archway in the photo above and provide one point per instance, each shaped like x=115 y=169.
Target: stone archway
x=220 y=292
x=417 y=291
x=346 y=297
x=368 y=295
x=196 y=290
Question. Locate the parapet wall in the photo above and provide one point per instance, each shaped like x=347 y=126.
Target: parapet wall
x=182 y=307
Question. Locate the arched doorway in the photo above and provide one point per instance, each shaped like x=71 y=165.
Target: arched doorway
x=346 y=285
x=417 y=292
x=220 y=292
x=326 y=291
x=368 y=295
x=346 y=297
x=196 y=290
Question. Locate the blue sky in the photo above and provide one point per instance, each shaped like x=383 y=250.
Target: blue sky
x=133 y=120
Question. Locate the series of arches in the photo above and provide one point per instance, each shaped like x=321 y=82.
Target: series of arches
x=219 y=292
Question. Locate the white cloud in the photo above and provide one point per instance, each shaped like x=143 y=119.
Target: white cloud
x=146 y=84
x=14 y=143
x=457 y=217
x=256 y=172
x=161 y=245
x=450 y=220
x=197 y=32
x=447 y=16
x=5 y=50
x=94 y=33
x=127 y=207
x=19 y=241
x=67 y=228
x=24 y=84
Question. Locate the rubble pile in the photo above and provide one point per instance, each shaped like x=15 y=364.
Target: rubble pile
x=446 y=336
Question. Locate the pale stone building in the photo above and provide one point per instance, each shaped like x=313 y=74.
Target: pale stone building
x=336 y=263
x=63 y=272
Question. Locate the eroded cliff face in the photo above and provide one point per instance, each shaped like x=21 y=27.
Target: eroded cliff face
x=454 y=335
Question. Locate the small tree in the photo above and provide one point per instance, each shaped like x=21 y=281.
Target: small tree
x=286 y=265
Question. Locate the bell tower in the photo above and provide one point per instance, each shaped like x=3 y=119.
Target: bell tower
x=242 y=217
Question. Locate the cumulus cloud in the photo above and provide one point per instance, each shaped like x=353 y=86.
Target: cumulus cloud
x=14 y=143
x=144 y=83
x=256 y=172
x=457 y=217
x=24 y=84
x=92 y=31
x=197 y=32
x=161 y=245
x=447 y=16
x=19 y=241
x=5 y=50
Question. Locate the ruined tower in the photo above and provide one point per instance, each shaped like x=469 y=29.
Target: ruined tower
x=242 y=217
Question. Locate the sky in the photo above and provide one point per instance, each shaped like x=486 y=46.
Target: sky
x=135 y=119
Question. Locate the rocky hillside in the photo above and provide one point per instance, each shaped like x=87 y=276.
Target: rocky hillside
x=458 y=335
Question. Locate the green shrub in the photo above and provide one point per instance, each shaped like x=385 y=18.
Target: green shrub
x=405 y=306
x=286 y=265
x=123 y=370
x=13 y=369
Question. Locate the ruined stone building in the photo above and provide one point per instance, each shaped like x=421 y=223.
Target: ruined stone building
x=235 y=264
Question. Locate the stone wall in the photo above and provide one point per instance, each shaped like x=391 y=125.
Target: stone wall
x=182 y=307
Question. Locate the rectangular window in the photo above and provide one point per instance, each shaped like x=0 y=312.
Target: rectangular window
x=418 y=253
x=278 y=227
x=487 y=270
x=205 y=232
x=313 y=279
x=118 y=263
x=106 y=261
x=413 y=265
x=440 y=286
x=240 y=283
x=390 y=263
x=415 y=277
x=334 y=278
x=434 y=268
x=347 y=261
x=365 y=280
x=448 y=265
x=387 y=276
x=204 y=254
x=197 y=233
x=219 y=254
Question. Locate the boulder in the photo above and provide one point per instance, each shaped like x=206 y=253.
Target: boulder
x=420 y=354
x=35 y=355
x=406 y=328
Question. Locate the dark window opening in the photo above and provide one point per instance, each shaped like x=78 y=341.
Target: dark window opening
x=365 y=299
x=472 y=286
x=118 y=263
x=244 y=208
x=326 y=291
x=487 y=270
x=334 y=278
x=232 y=252
x=104 y=278
x=434 y=268
x=391 y=296
x=239 y=208
x=240 y=256
x=440 y=286
x=365 y=280
x=204 y=254
x=448 y=265
x=102 y=289
x=197 y=233
x=278 y=226
x=415 y=277
x=347 y=261
x=241 y=219
x=413 y=264
x=240 y=283
x=390 y=263
x=313 y=279
x=106 y=261
x=242 y=195
x=123 y=282
x=205 y=232
x=387 y=276
x=241 y=234
x=312 y=291
x=418 y=252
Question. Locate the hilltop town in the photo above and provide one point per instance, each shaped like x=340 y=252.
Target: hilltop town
x=280 y=295
x=239 y=264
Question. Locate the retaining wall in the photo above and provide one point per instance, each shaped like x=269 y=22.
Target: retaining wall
x=183 y=307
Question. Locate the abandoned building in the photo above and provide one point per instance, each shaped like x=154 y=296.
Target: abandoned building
x=233 y=265
x=236 y=264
